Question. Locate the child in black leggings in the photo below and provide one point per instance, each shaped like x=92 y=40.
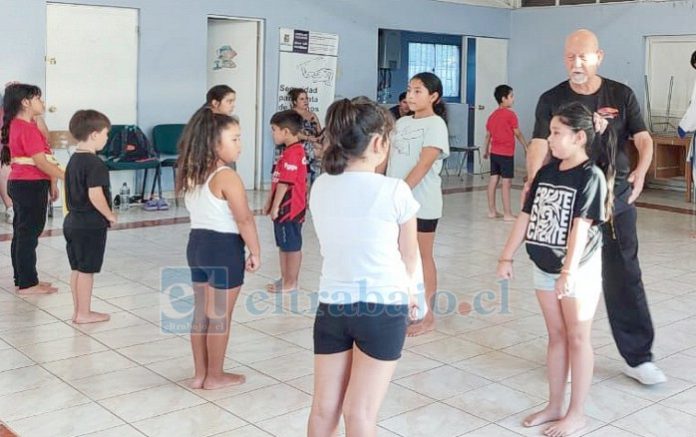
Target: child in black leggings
x=33 y=175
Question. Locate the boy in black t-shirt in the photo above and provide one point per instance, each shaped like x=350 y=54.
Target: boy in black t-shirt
x=89 y=210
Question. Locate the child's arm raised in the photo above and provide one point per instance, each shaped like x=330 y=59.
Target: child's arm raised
x=514 y=241
x=98 y=200
x=427 y=158
x=280 y=191
x=233 y=191
x=576 y=246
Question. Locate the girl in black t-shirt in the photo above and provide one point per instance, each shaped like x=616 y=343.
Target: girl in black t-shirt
x=560 y=226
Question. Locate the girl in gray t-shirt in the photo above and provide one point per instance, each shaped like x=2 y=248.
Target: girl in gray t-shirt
x=418 y=148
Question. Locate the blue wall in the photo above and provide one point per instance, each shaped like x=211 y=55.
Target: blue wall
x=172 y=75
x=400 y=76
x=537 y=36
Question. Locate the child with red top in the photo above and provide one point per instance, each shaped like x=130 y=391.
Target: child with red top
x=34 y=171
x=501 y=129
x=287 y=200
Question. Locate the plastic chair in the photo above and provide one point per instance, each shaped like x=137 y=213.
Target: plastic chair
x=107 y=155
x=166 y=138
x=457 y=145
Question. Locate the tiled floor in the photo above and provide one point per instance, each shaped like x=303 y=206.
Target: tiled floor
x=477 y=375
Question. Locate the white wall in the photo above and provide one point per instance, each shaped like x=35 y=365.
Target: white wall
x=172 y=74
x=537 y=36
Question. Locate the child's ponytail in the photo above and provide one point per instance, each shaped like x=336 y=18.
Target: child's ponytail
x=578 y=117
x=5 y=157
x=607 y=162
x=350 y=126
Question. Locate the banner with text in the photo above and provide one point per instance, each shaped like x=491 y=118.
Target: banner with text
x=308 y=60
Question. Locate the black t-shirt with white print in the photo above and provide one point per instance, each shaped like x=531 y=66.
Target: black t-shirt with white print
x=617 y=103
x=555 y=199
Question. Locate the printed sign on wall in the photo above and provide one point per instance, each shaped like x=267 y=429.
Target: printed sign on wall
x=308 y=60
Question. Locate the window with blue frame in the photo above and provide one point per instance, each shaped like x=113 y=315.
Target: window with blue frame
x=441 y=59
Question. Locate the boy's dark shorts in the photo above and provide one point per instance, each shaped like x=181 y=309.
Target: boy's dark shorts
x=288 y=236
x=504 y=166
x=85 y=248
x=378 y=330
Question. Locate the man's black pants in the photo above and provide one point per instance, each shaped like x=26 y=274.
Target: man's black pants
x=624 y=294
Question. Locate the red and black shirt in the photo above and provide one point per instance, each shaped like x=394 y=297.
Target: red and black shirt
x=291 y=169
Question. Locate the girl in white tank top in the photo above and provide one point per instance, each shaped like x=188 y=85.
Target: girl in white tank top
x=221 y=226
x=208 y=211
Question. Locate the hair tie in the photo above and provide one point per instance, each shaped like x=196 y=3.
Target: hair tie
x=600 y=123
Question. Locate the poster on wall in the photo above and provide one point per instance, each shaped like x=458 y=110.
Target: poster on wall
x=308 y=60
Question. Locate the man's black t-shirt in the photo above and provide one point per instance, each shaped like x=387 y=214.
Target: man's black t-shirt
x=85 y=171
x=555 y=199
x=614 y=101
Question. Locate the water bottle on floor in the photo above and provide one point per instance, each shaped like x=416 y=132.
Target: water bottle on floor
x=124 y=197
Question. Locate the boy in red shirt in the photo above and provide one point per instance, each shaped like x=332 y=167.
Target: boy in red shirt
x=287 y=200
x=501 y=129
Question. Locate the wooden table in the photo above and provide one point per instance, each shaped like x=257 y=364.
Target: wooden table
x=669 y=160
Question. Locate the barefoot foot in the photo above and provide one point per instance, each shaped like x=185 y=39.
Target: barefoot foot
x=224 y=380
x=280 y=286
x=196 y=382
x=540 y=417
x=422 y=327
x=37 y=289
x=42 y=283
x=494 y=215
x=509 y=218
x=566 y=426
x=91 y=317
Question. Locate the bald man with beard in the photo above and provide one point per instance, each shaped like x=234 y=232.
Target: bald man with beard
x=627 y=306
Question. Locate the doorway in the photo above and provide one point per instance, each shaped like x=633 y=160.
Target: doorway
x=235 y=56
x=486 y=68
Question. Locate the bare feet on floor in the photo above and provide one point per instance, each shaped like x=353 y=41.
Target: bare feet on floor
x=40 y=288
x=280 y=287
x=197 y=382
x=566 y=426
x=91 y=317
x=494 y=215
x=422 y=327
x=509 y=218
x=548 y=414
x=222 y=381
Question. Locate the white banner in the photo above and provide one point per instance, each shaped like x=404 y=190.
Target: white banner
x=308 y=60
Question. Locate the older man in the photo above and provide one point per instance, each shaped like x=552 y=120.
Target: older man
x=624 y=294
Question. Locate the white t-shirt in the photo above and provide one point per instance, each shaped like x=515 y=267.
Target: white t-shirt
x=357 y=216
x=412 y=134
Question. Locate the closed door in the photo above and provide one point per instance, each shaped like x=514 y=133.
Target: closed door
x=92 y=62
x=487 y=68
x=233 y=60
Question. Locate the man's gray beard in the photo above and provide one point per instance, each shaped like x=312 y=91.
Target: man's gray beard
x=583 y=79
